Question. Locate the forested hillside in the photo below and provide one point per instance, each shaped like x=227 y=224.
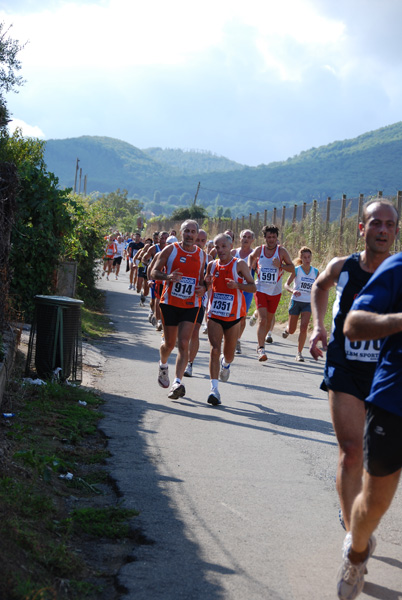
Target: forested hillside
x=166 y=179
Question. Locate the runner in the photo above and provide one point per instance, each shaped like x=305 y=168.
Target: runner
x=156 y=287
x=118 y=257
x=132 y=248
x=195 y=338
x=375 y=314
x=302 y=280
x=243 y=251
x=349 y=371
x=229 y=277
x=269 y=261
x=181 y=267
x=109 y=254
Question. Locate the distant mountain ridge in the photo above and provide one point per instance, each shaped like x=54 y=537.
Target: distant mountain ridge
x=167 y=178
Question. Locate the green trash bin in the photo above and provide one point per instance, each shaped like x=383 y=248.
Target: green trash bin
x=55 y=343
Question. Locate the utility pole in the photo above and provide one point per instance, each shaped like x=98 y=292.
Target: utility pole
x=76 y=172
x=196 y=193
x=79 y=190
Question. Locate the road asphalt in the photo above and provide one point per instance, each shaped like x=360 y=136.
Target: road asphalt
x=236 y=502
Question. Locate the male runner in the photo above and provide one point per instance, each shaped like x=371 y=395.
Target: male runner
x=247 y=237
x=349 y=370
x=181 y=267
x=132 y=249
x=195 y=338
x=229 y=277
x=269 y=261
x=155 y=315
x=375 y=314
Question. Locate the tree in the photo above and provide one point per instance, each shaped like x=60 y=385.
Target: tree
x=123 y=210
x=9 y=65
x=42 y=223
x=191 y=212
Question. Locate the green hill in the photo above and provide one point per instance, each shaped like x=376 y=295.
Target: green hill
x=164 y=179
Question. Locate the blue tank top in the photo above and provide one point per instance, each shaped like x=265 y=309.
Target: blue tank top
x=360 y=356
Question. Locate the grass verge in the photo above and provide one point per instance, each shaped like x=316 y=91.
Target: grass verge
x=63 y=531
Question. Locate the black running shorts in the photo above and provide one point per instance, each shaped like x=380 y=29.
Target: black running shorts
x=173 y=315
x=382 y=441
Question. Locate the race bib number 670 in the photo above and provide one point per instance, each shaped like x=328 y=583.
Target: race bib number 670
x=184 y=288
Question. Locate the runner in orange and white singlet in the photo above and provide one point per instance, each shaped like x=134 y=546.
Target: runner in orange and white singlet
x=229 y=277
x=181 y=267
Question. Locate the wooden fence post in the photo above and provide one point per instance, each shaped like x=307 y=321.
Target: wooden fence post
x=313 y=234
x=304 y=211
x=257 y=222
x=274 y=217
x=250 y=220
x=265 y=217
x=398 y=206
x=237 y=225
x=380 y=194
x=242 y=221
x=359 y=217
x=328 y=214
x=294 y=217
x=342 y=220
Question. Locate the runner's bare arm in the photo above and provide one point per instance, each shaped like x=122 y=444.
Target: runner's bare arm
x=253 y=257
x=363 y=325
x=244 y=272
x=319 y=303
x=285 y=262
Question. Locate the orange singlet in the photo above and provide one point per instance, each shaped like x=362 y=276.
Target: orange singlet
x=191 y=264
x=225 y=303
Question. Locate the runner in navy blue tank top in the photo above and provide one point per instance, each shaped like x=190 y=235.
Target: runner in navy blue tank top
x=349 y=367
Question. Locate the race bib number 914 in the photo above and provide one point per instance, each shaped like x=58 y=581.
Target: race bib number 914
x=184 y=288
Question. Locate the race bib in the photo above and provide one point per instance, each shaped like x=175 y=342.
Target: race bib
x=306 y=285
x=222 y=304
x=269 y=275
x=184 y=288
x=363 y=351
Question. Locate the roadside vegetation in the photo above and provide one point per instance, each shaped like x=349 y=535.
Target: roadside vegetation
x=64 y=532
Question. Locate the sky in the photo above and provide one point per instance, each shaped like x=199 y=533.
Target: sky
x=255 y=81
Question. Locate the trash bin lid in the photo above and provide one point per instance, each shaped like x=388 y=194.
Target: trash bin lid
x=58 y=300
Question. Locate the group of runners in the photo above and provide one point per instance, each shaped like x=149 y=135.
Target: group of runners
x=363 y=366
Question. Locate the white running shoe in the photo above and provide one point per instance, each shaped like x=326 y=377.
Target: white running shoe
x=253 y=320
x=189 y=370
x=238 y=347
x=163 y=377
x=261 y=354
x=150 y=316
x=153 y=320
x=224 y=371
x=177 y=391
x=214 y=398
x=299 y=357
x=205 y=329
x=269 y=339
x=130 y=287
x=159 y=326
x=350 y=576
x=107 y=277
x=285 y=334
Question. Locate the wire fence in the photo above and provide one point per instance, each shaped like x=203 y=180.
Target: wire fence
x=329 y=228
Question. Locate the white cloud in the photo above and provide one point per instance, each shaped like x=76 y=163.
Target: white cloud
x=27 y=130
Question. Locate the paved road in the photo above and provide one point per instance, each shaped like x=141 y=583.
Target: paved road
x=238 y=501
